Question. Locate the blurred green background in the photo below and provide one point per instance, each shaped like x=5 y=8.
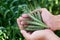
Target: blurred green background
x=10 y=10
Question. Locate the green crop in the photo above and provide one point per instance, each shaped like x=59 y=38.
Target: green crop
x=10 y=10
x=30 y=8
x=36 y=21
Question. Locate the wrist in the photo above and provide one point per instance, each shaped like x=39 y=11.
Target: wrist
x=52 y=36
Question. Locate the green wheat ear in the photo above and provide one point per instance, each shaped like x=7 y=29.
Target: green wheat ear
x=36 y=22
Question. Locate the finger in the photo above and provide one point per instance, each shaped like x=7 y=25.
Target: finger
x=25 y=34
x=44 y=10
x=46 y=16
x=22 y=19
x=21 y=23
x=40 y=34
x=20 y=26
x=25 y=15
x=24 y=24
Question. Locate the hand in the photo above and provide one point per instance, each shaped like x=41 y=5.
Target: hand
x=44 y=33
x=37 y=35
x=52 y=21
x=40 y=35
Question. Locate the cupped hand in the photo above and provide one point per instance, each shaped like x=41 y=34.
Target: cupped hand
x=40 y=35
x=50 y=20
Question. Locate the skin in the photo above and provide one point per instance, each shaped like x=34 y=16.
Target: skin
x=50 y=20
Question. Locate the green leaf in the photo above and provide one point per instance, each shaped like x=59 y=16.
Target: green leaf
x=1 y=32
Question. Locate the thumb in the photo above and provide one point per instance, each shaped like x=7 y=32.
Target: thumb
x=25 y=34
